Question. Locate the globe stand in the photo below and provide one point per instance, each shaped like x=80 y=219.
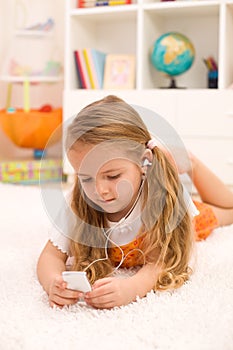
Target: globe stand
x=172 y=84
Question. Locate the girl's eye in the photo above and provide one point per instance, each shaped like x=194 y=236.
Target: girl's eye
x=88 y=179
x=114 y=177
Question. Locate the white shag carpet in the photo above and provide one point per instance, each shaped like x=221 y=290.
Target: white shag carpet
x=198 y=316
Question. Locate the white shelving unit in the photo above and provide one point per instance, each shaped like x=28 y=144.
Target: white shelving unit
x=31 y=48
x=199 y=114
x=134 y=28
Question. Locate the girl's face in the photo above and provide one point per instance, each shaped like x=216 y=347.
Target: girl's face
x=108 y=178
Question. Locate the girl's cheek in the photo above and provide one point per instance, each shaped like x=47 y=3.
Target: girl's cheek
x=88 y=191
x=125 y=188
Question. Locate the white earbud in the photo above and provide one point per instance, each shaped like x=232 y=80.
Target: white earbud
x=146 y=162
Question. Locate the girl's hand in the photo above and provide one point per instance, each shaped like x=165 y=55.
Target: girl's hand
x=109 y=292
x=59 y=295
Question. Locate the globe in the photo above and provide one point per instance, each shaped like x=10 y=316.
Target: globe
x=173 y=54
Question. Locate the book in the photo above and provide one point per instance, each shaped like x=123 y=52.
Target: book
x=81 y=65
x=79 y=71
x=93 y=3
x=119 y=72
x=91 y=68
x=99 y=63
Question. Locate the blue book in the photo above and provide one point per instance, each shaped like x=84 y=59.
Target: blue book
x=99 y=63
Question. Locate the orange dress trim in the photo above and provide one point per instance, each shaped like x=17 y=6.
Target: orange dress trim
x=131 y=259
x=204 y=223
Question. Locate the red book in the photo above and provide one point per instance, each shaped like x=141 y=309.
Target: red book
x=78 y=70
x=84 y=78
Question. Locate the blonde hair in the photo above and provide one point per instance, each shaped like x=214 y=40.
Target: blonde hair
x=167 y=225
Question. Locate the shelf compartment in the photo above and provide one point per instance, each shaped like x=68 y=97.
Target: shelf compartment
x=158 y=21
x=45 y=66
x=94 y=32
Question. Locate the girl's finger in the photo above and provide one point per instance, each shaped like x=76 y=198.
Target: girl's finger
x=98 y=292
x=102 y=282
x=59 y=282
x=99 y=298
x=64 y=301
x=68 y=293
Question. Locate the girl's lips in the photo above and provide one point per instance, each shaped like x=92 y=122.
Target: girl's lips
x=107 y=200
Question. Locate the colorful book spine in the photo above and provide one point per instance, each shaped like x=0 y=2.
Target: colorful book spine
x=99 y=59
x=83 y=69
x=94 y=3
x=91 y=68
x=79 y=71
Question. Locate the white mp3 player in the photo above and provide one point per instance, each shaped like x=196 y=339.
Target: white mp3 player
x=77 y=280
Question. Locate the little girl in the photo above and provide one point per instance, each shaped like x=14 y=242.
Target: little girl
x=130 y=210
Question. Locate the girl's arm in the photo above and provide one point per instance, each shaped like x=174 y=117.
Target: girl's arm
x=51 y=263
x=116 y=291
x=145 y=279
x=50 y=266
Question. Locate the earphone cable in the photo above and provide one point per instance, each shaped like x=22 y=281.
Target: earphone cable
x=111 y=229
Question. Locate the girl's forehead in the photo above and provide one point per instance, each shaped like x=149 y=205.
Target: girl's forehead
x=103 y=150
x=86 y=158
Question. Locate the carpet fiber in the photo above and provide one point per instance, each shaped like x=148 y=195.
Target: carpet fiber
x=198 y=316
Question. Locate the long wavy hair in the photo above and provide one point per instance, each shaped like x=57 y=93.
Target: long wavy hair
x=166 y=223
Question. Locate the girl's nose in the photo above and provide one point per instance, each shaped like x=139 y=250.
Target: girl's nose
x=102 y=188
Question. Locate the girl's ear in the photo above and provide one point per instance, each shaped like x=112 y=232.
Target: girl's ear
x=146 y=160
x=147 y=157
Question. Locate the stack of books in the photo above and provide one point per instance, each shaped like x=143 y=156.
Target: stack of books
x=93 y=3
x=90 y=65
